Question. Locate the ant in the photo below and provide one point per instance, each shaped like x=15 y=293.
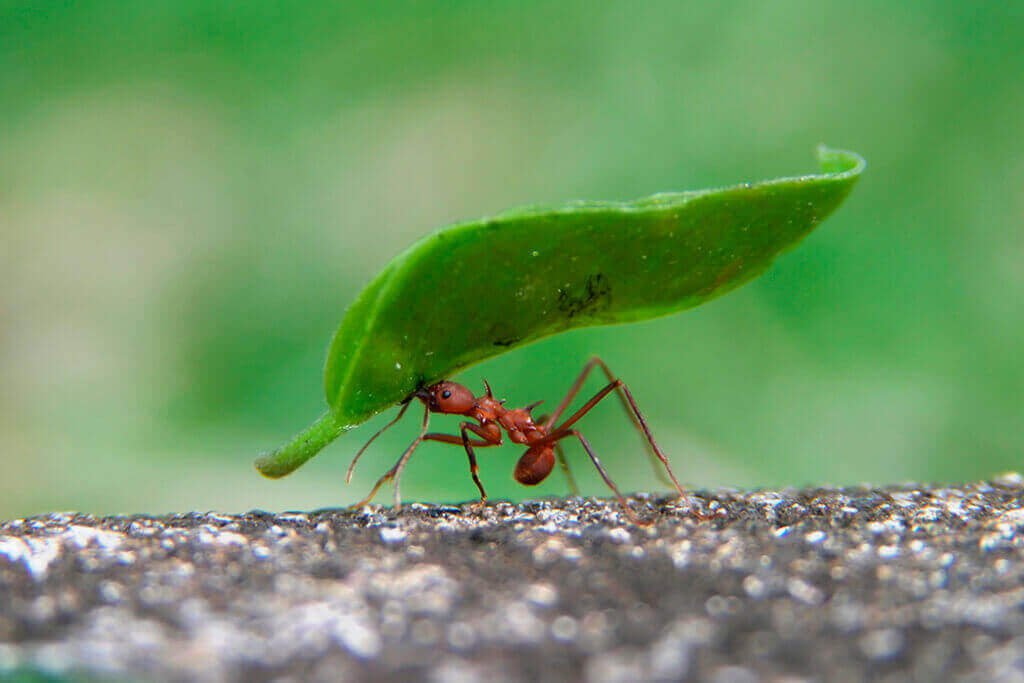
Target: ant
x=541 y=436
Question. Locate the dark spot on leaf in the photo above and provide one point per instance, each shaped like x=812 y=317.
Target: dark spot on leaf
x=594 y=296
x=506 y=341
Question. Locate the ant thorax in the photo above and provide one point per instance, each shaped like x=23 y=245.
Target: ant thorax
x=487 y=409
x=494 y=417
x=520 y=426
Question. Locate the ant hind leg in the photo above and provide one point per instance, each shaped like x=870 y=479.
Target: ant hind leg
x=628 y=405
x=564 y=465
x=607 y=479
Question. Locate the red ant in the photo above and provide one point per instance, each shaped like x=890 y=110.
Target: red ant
x=540 y=437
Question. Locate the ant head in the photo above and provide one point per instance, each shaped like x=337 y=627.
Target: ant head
x=447 y=397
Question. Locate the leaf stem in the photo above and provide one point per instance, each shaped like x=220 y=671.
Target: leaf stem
x=301 y=448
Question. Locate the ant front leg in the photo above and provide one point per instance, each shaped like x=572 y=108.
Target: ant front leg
x=395 y=473
x=389 y=425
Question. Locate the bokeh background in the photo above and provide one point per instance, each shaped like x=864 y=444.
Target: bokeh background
x=191 y=192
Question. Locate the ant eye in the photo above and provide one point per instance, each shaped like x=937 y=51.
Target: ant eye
x=446 y=394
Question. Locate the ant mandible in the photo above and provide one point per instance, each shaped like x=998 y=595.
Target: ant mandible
x=540 y=437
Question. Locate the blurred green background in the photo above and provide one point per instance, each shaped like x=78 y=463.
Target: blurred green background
x=191 y=192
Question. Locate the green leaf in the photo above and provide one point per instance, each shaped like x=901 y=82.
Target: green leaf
x=474 y=290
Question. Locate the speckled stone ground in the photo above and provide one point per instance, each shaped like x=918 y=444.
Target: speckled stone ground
x=898 y=584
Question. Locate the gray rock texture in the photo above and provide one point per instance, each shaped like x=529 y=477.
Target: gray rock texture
x=908 y=583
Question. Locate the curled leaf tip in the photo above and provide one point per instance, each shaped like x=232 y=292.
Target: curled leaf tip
x=840 y=161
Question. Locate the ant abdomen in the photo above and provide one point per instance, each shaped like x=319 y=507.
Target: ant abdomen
x=535 y=465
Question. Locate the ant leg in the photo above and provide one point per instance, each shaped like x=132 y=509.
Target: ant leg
x=395 y=473
x=468 y=444
x=588 y=406
x=352 y=465
x=564 y=464
x=456 y=440
x=633 y=411
x=573 y=390
x=604 y=475
x=641 y=423
x=473 y=469
x=595 y=362
x=625 y=399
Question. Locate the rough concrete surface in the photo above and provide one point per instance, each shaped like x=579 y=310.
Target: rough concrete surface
x=903 y=583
